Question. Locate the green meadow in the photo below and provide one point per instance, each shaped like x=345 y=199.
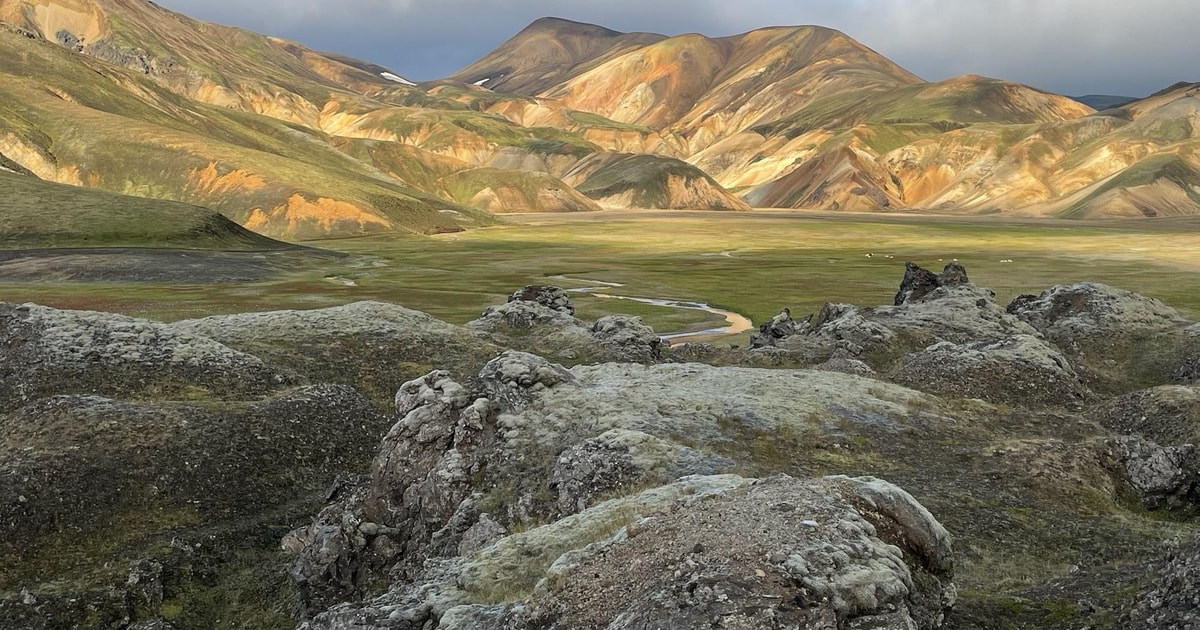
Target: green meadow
x=751 y=263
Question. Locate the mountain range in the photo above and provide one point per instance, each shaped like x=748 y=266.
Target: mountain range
x=296 y=144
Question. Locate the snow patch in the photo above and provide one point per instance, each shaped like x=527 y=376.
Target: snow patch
x=396 y=78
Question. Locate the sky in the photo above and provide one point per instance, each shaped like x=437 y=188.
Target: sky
x=1072 y=47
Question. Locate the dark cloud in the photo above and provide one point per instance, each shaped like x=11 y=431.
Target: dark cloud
x=1069 y=46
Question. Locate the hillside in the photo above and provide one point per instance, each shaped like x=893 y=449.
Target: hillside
x=36 y=213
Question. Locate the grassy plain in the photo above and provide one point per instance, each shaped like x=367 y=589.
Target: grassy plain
x=750 y=263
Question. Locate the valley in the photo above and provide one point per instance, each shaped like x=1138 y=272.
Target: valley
x=749 y=264
x=605 y=330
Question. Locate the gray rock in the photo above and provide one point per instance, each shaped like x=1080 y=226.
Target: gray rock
x=553 y=298
x=332 y=564
x=842 y=361
x=514 y=377
x=929 y=308
x=919 y=282
x=415 y=604
x=1172 y=597
x=424 y=467
x=417 y=502
x=779 y=327
x=623 y=460
x=482 y=533
x=916 y=284
x=627 y=339
x=522 y=317
x=540 y=319
x=1160 y=476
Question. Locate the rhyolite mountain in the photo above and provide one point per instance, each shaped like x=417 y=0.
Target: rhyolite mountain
x=128 y=97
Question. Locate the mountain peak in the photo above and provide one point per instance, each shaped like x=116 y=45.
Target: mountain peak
x=557 y=24
x=547 y=52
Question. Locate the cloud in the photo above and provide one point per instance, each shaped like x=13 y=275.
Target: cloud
x=1069 y=46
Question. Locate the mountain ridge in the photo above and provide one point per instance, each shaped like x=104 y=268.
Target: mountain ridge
x=299 y=144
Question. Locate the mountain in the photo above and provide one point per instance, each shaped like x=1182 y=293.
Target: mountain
x=547 y=52
x=806 y=117
x=296 y=144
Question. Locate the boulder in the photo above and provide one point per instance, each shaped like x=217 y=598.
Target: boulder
x=552 y=298
x=1086 y=312
x=1161 y=477
x=540 y=319
x=626 y=338
x=779 y=327
x=929 y=308
x=916 y=284
x=416 y=503
x=781 y=552
x=1117 y=339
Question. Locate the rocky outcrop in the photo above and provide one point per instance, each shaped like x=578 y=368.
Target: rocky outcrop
x=419 y=482
x=627 y=339
x=929 y=309
x=550 y=297
x=373 y=346
x=1082 y=314
x=824 y=553
x=49 y=351
x=541 y=319
x=779 y=327
x=1019 y=370
x=1170 y=598
x=464 y=463
x=828 y=553
x=1117 y=339
x=919 y=282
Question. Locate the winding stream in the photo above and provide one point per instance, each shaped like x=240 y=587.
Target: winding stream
x=735 y=322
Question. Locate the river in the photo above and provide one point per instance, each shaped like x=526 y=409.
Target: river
x=734 y=322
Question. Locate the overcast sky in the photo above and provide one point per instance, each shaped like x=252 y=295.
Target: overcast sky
x=1073 y=47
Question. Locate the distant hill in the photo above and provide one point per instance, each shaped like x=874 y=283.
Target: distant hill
x=37 y=214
